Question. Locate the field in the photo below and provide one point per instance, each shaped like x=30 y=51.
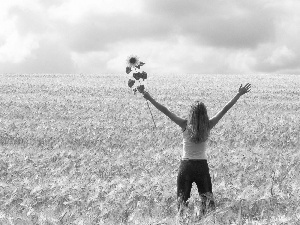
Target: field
x=82 y=149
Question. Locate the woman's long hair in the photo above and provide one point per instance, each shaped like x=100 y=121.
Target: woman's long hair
x=198 y=123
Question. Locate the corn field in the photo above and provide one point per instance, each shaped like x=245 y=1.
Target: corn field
x=83 y=149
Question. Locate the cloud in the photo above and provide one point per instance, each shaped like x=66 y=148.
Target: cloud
x=52 y=3
x=227 y=24
x=172 y=35
x=276 y=58
x=28 y=20
x=93 y=62
x=283 y=54
x=96 y=32
x=48 y=57
x=32 y=43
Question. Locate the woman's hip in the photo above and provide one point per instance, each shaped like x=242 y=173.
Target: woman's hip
x=198 y=166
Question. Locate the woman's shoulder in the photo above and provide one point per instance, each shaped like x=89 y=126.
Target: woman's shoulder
x=184 y=125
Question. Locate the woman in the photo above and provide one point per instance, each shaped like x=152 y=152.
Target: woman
x=196 y=129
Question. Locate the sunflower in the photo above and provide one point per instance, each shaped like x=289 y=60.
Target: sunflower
x=131 y=83
x=133 y=61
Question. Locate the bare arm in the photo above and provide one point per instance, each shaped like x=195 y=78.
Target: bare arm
x=179 y=121
x=242 y=90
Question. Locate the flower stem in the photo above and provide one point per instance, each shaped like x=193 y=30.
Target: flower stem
x=151 y=114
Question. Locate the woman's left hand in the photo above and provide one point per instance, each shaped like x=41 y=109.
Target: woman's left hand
x=245 y=89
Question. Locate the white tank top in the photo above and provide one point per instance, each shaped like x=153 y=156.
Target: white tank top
x=191 y=150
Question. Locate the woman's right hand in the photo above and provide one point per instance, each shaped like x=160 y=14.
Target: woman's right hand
x=147 y=95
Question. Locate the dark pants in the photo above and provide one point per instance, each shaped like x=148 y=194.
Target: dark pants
x=194 y=171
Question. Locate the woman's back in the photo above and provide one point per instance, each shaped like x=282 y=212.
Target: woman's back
x=191 y=150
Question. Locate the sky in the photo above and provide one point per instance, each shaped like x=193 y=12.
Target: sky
x=170 y=36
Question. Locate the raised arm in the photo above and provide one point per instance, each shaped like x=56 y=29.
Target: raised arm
x=179 y=121
x=242 y=90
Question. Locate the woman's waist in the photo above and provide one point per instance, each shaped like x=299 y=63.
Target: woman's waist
x=196 y=165
x=190 y=143
x=194 y=149
x=188 y=155
x=193 y=160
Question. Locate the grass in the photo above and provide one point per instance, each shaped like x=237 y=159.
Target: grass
x=80 y=149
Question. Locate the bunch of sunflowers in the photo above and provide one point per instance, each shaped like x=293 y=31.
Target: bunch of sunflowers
x=133 y=65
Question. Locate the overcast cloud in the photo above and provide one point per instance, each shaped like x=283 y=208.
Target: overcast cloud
x=171 y=36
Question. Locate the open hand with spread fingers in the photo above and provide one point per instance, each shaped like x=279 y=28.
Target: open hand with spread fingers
x=245 y=89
